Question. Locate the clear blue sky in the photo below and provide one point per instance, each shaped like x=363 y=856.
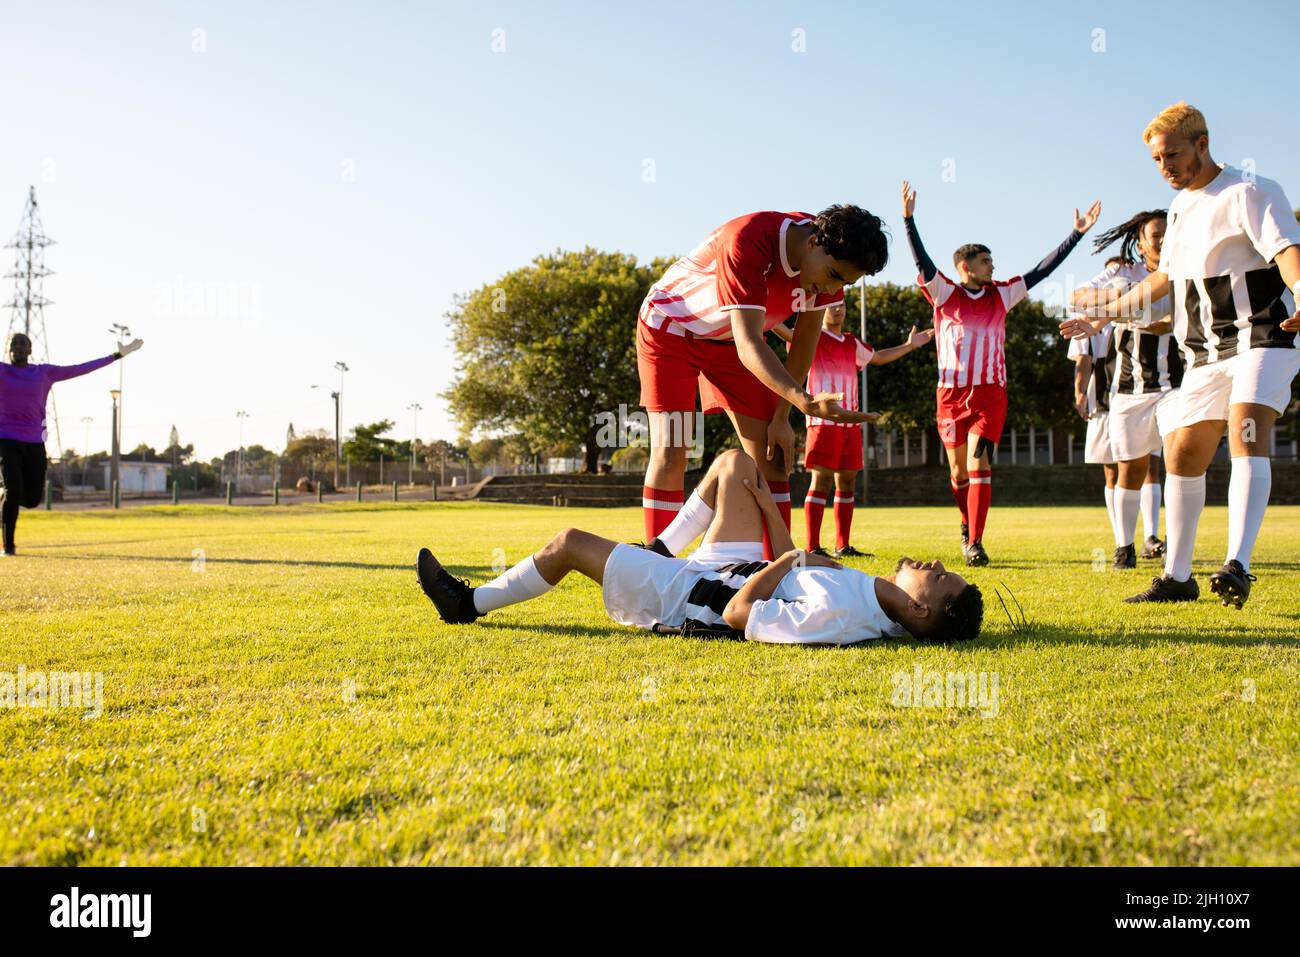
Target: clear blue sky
x=306 y=182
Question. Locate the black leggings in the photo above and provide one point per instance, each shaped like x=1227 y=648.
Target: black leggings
x=22 y=465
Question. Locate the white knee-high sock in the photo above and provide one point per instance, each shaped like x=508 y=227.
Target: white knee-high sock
x=1110 y=514
x=1184 y=500
x=1128 y=502
x=1151 y=509
x=691 y=522
x=516 y=584
x=1248 y=491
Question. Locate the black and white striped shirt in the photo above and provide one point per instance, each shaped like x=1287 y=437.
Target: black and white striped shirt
x=1137 y=362
x=1228 y=296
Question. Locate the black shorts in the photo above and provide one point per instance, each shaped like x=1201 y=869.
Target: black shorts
x=22 y=467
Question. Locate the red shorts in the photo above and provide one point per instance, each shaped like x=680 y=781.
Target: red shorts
x=979 y=409
x=672 y=368
x=835 y=447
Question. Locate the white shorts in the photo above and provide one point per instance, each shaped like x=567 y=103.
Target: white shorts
x=1257 y=376
x=1096 y=448
x=1137 y=423
x=642 y=588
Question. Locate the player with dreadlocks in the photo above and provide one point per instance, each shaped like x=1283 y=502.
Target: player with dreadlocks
x=1141 y=378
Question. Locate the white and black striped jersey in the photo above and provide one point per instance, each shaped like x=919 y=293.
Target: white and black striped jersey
x=809 y=606
x=1137 y=362
x=1218 y=253
x=1096 y=347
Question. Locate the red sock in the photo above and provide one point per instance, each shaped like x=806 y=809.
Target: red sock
x=659 y=506
x=780 y=495
x=814 y=506
x=981 y=494
x=843 y=518
x=960 y=492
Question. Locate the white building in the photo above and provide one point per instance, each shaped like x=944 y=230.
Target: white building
x=138 y=477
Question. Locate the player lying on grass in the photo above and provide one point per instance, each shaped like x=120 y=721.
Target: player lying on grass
x=796 y=599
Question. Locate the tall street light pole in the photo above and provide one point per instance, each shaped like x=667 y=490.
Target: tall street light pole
x=239 y=460
x=123 y=335
x=414 y=408
x=338 y=421
x=114 y=473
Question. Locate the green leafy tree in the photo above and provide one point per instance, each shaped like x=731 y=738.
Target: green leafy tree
x=368 y=443
x=549 y=346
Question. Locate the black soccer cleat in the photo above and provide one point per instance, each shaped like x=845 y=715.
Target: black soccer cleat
x=1153 y=548
x=1165 y=588
x=1232 y=584
x=819 y=551
x=965 y=535
x=975 y=554
x=1125 y=557
x=656 y=546
x=453 y=597
x=848 y=551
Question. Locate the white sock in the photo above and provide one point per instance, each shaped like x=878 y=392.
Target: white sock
x=1110 y=514
x=1184 y=500
x=691 y=522
x=1248 y=490
x=1151 y=509
x=516 y=584
x=1128 y=502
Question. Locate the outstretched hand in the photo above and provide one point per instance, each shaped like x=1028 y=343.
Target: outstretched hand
x=1076 y=328
x=909 y=200
x=1085 y=222
x=917 y=339
x=826 y=405
x=1292 y=324
x=131 y=347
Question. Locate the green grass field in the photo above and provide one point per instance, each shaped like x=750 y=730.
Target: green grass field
x=277 y=690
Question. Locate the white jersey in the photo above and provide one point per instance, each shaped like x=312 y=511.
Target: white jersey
x=809 y=606
x=1138 y=362
x=1218 y=253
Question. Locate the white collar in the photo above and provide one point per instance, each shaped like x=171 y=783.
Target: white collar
x=785 y=263
x=827 y=332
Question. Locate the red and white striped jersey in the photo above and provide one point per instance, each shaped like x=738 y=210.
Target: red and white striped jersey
x=741 y=265
x=835 y=368
x=970 y=329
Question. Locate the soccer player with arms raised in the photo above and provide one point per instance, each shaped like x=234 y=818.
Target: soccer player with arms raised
x=970 y=317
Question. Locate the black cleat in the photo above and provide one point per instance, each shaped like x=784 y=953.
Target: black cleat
x=819 y=551
x=975 y=554
x=453 y=597
x=1232 y=584
x=848 y=551
x=1125 y=557
x=965 y=535
x=656 y=546
x=1165 y=588
x=1153 y=548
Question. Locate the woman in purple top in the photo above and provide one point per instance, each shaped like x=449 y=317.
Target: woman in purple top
x=23 y=390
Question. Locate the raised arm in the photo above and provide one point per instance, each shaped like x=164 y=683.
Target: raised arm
x=915 y=340
x=924 y=264
x=59 y=373
x=1057 y=256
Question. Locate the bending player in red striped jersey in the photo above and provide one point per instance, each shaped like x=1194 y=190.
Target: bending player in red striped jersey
x=834 y=453
x=970 y=318
x=701 y=330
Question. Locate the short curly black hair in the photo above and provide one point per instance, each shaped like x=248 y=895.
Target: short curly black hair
x=961 y=619
x=968 y=252
x=853 y=235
